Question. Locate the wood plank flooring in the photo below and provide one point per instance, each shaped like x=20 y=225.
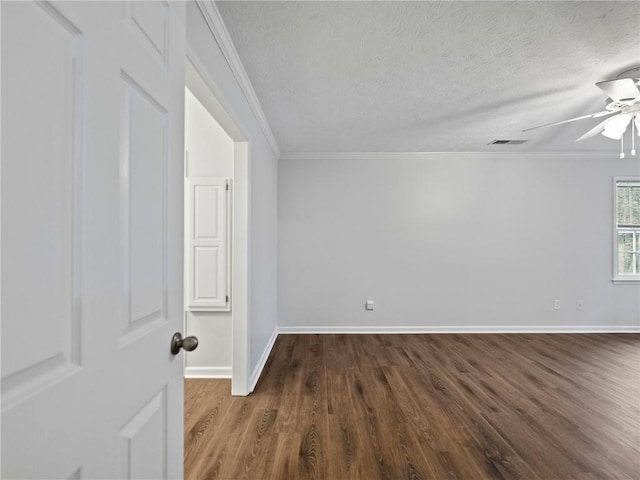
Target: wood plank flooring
x=425 y=407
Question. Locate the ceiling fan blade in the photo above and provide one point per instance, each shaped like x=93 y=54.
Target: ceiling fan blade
x=621 y=90
x=592 y=115
x=594 y=131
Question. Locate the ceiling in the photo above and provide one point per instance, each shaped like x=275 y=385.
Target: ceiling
x=432 y=76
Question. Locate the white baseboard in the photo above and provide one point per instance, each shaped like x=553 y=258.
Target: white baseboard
x=225 y=372
x=467 y=329
x=207 y=372
x=255 y=376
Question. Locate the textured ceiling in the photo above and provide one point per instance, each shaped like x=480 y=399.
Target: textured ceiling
x=432 y=76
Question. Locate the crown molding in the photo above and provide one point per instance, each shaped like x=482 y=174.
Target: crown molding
x=216 y=25
x=446 y=155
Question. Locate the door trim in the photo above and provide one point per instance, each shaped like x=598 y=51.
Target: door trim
x=211 y=97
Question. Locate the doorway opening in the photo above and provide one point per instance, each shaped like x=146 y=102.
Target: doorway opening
x=216 y=277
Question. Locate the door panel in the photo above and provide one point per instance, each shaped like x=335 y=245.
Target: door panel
x=143 y=174
x=143 y=441
x=41 y=236
x=149 y=20
x=92 y=222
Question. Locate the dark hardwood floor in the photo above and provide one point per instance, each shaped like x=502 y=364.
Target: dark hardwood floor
x=425 y=407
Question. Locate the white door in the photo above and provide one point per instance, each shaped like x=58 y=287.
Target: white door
x=207 y=241
x=92 y=210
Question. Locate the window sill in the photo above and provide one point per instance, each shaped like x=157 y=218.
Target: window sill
x=634 y=280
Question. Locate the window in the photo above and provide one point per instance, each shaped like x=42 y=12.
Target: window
x=627 y=231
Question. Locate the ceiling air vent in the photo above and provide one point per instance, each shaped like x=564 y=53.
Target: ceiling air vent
x=506 y=142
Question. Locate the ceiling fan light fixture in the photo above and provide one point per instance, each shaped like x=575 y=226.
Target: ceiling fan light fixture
x=612 y=134
x=615 y=127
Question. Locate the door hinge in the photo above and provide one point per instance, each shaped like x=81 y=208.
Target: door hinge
x=227 y=298
x=227 y=186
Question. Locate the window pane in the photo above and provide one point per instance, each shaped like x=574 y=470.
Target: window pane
x=635 y=196
x=625 y=242
x=634 y=207
x=625 y=265
x=627 y=218
x=622 y=205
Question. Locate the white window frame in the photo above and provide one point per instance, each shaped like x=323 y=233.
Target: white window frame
x=617 y=277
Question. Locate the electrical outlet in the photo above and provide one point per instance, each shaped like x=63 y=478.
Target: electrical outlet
x=580 y=305
x=368 y=305
x=556 y=304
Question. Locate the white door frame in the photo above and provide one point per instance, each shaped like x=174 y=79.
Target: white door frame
x=211 y=97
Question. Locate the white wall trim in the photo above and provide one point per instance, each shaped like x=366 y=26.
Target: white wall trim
x=442 y=155
x=466 y=329
x=255 y=376
x=241 y=268
x=225 y=372
x=216 y=25
x=207 y=372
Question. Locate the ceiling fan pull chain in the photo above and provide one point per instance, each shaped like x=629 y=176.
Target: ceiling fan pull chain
x=622 y=146
x=633 y=140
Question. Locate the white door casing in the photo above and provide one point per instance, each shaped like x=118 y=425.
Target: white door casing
x=207 y=240
x=92 y=239
x=203 y=86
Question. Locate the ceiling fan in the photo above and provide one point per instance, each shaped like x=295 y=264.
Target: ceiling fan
x=622 y=109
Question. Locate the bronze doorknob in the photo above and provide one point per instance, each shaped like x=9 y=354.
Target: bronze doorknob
x=177 y=342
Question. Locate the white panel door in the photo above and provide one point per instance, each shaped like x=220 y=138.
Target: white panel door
x=92 y=242
x=207 y=239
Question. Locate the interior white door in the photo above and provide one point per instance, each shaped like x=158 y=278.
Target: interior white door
x=92 y=239
x=207 y=240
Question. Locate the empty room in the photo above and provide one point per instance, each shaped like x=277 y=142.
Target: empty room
x=274 y=240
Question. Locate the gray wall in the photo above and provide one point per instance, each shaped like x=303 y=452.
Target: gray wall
x=472 y=241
